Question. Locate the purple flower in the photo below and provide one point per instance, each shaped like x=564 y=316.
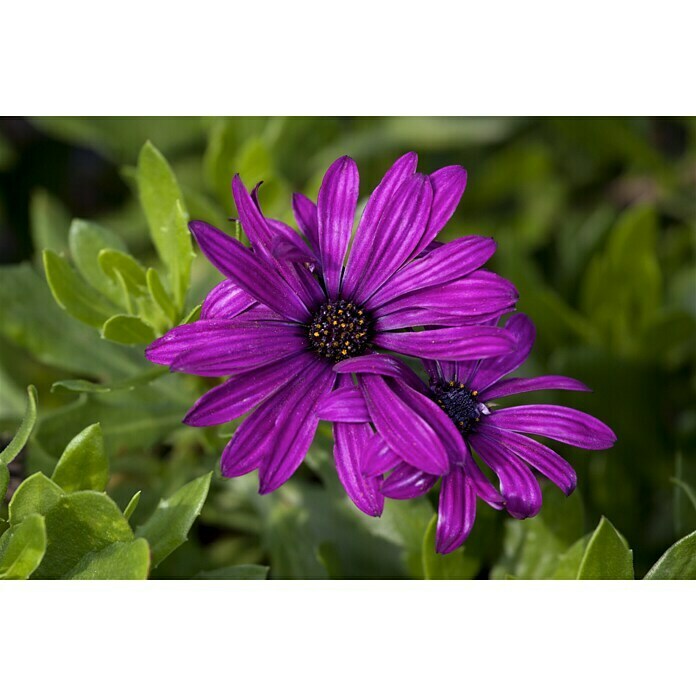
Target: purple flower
x=292 y=308
x=416 y=422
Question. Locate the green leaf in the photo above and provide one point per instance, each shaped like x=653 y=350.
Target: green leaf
x=83 y=465
x=49 y=223
x=122 y=560
x=132 y=505
x=4 y=482
x=238 y=572
x=83 y=385
x=607 y=556
x=87 y=239
x=160 y=295
x=76 y=525
x=569 y=562
x=169 y=525
x=36 y=494
x=129 y=330
x=72 y=293
x=452 y=566
x=677 y=563
x=167 y=219
x=22 y=548
x=114 y=262
x=22 y=435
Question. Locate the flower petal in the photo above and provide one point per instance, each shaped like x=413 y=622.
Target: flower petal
x=557 y=422
x=404 y=430
x=295 y=426
x=483 y=374
x=226 y=301
x=407 y=482
x=455 y=343
x=518 y=485
x=377 y=457
x=219 y=347
x=456 y=511
x=413 y=317
x=364 y=491
x=241 y=393
x=442 y=265
x=365 y=235
x=397 y=233
x=305 y=212
x=448 y=187
x=518 y=385
x=378 y=364
x=338 y=198
x=344 y=405
x=250 y=274
x=542 y=458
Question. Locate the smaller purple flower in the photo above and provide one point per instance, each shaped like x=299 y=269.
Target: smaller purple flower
x=454 y=412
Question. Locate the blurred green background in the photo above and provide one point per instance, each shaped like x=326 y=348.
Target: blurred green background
x=595 y=220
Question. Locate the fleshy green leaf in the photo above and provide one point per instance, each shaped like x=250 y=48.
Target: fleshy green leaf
x=83 y=385
x=167 y=219
x=122 y=560
x=22 y=548
x=160 y=295
x=83 y=465
x=37 y=494
x=132 y=505
x=87 y=239
x=72 y=293
x=452 y=566
x=79 y=524
x=114 y=262
x=4 y=482
x=49 y=223
x=677 y=563
x=607 y=556
x=22 y=435
x=169 y=525
x=569 y=562
x=132 y=331
x=238 y=572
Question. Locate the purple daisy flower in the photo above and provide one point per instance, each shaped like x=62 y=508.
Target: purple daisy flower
x=454 y=413
x=291 y=309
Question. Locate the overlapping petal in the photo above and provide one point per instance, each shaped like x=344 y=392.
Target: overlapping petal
x=456 y=512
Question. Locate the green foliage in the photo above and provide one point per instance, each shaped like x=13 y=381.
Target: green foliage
x=240 y=572
x=22 y=548
x=19 y=440
x=122 y=560
x=678 y=562
x=607 y=556
x=83 y=465
x=169 y=525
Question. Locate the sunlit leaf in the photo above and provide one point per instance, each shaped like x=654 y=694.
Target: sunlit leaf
x=607 y=556
x=129 y=330
x=22 y=548
x=678 y=562
x=122 y=560
x=83 y=465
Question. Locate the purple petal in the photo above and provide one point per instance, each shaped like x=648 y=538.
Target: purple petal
x=219 y=347
x=557 y=422
x=344 y=405
x=456 y=511
x=350 y=440
x=442 y=265
x=295 y=426
x=480 y=293
x=487 y=372
x=455 y=343
x=305 y=212
x=377 y=457
x=385 y=365
x=241 y=393
x=250 y=274
x=518 y=385
x=404 y=431
x=518 y=484
x=543 y=459
x=226 y=301
x=413 y=317
x=338 y=198
x=483 y=488
x=365 y=235
x=448 y=186
x=396 y=236
x=407 y=482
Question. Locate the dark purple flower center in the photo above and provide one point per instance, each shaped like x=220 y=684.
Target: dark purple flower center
x=340 y=330
x=459 y=403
